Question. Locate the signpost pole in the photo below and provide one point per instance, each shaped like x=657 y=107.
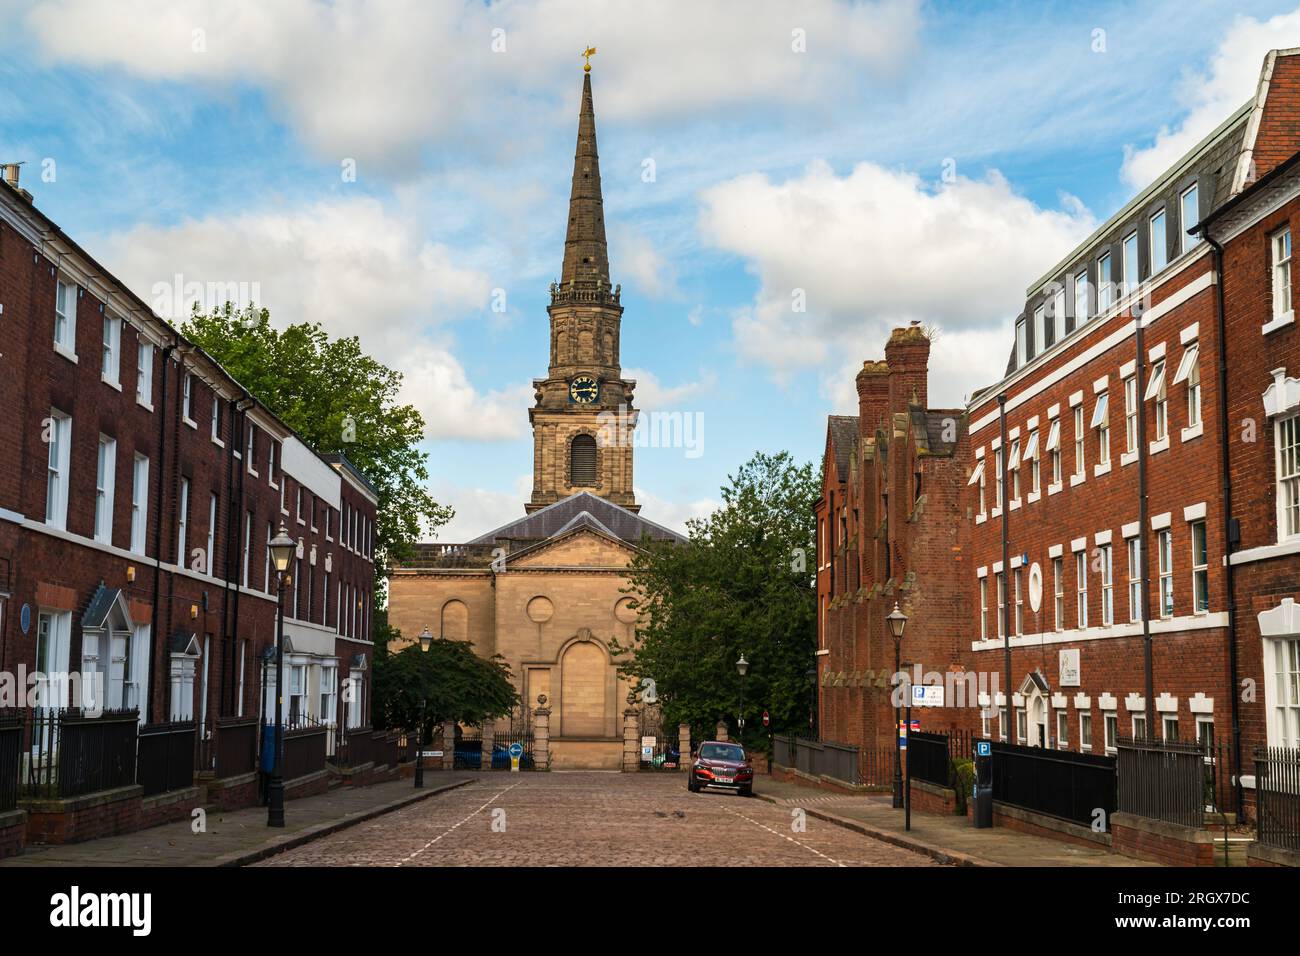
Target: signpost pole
x=907 y=792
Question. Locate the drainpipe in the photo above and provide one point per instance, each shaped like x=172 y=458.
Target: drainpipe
x=157 y=530
x=1006 y=573
x=1231 y=528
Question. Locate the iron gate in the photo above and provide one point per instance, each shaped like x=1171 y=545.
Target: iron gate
x=472 y=752
x=658 y=745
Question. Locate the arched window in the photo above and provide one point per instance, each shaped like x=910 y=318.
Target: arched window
x=582 y=460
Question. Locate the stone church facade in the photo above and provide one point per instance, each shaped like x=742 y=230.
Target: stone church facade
x=546 y=591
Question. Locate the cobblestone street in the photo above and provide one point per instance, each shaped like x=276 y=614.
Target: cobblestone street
x=593 y=819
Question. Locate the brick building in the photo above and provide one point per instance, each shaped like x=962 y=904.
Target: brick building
x=885 y=535
x=139 y=486
x=1144 y=433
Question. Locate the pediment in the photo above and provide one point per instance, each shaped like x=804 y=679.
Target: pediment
x=581 y=548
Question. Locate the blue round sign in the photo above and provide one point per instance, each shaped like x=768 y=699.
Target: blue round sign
x=516 y=750
x=25 y=618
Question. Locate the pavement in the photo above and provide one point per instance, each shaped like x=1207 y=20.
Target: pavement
x=240 y=837
x=945 y=838
x=591 y=819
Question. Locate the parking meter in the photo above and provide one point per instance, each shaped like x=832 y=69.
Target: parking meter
x=982 y=794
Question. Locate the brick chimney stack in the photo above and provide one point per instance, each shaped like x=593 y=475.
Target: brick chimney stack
x=873 y=396
x=908 y=356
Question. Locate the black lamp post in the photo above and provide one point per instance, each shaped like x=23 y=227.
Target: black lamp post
x=426 y=641
x=282 y=548
x=897 y=620
x=742 y=668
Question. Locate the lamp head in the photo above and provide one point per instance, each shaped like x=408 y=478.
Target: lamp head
x=742 y=666
x=897 y=621
x=426 y=640
x=282 y=550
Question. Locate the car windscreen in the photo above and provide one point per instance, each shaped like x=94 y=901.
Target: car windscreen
x=722 y=752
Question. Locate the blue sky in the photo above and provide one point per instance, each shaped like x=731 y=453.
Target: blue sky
x=891 y=160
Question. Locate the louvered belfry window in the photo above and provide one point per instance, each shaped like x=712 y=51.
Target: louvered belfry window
x=582 y=460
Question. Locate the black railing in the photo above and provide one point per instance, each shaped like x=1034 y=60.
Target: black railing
x=1162 y=780
x=1277 y=788
x=11 y=764
x=929 y=758
x=165 y=757
x=876 y=766
x=73 y=754
x=1059 y=783
x=304 y=751
x=235 y=746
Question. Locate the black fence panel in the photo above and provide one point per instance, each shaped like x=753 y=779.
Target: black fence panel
x=927 y=756
x=304 y=751
x=1277 y=788
x=165 y=757
x=236 y=746
x=1059 y=783
x=1162 y=780
x=11 y=767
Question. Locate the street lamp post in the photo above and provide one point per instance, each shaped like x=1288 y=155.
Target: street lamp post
x=426 y=641
x=897 y=620
x=282 y=548
x=742 y=668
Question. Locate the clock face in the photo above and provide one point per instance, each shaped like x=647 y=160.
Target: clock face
x=584 y=390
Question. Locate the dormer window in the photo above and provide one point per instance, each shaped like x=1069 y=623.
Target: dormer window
x=1022 y=344
x=1159 y=247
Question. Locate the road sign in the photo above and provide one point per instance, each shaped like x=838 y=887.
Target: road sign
x=516 y=751
x=916 y=726
x=902 y=735
x=431 y=753
x=927 y=695
x=766 y=719
x=983 y=748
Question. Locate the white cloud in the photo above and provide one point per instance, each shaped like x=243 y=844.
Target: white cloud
x=674 y=514
x=364 y=78
x=1212 y=97
x=344 y=263
x=877 y=248
x=639 y=259
x=651 y=394
x=479 y=510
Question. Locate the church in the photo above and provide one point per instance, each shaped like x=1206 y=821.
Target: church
x=546 y=590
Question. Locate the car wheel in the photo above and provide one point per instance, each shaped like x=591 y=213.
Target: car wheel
x=691 y=785
x=746 y=791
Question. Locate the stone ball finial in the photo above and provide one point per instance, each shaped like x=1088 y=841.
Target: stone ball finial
x=541 y=700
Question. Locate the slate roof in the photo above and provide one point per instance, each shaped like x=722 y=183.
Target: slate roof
x=843 y=431
x=101 y=602
x=584 y=507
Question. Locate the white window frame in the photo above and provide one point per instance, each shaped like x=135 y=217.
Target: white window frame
x=1134 y=546
x=1110 y=730
x=1022 y=344
x=1282 y=662
x=1062 y=729
x=140 y=504
x=1040 y=329
x=251 y=447
x=1131 y=282
x=1159 y=393
x=1081 y=588
x=1101 y=422
x=144 y=374
x=187 y=400
x=1054 y=450
x=110 y=370
x=1085 y=731
x=1081 y=315
x=1201 y=569
x=1130 y=415
x=1165 y=552
x=105 y=479
x=1286 y=435
x=65 y=317
x=1138 y=722
x=216 y=421
x=1280 y=243
x=1189 y=241
x=1105 y=283
x=984 y=609
x=182 y=523
x=999 y=587
x=1058 y=592
x=58 y=463
x=248 y=547
x=1107 y=585
x=1165 y=721
x=1159 y=250
x=1080 y=449
x=1020 y=602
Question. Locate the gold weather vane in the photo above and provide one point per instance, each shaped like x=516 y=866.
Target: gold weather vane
x=588 y=53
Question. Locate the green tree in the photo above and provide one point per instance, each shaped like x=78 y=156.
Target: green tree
x=449 y=679
x=742 y=585
x=339 y=400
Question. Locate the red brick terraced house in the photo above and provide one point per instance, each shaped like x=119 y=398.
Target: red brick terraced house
x=1252 y=239
x=139 y=486
x=1120 y=551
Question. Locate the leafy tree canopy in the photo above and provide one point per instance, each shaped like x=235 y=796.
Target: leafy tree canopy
x=453 y=682
x=339 y=400
x=741 y=586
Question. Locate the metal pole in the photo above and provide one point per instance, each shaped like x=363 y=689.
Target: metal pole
x=275 y=803
x=898 y=736
x=907 y=799
x=1005 y=596
x=419 y=749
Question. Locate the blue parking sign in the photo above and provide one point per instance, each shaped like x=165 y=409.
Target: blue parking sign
x=983 y=748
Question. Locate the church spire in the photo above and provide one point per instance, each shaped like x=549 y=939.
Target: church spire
x=586 y=258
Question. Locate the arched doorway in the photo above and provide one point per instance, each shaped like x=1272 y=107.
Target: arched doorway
x=583 y=678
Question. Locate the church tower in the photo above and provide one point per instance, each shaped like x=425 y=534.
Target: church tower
x=583 y=417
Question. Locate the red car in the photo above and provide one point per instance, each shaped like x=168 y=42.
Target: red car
x=720 y=764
